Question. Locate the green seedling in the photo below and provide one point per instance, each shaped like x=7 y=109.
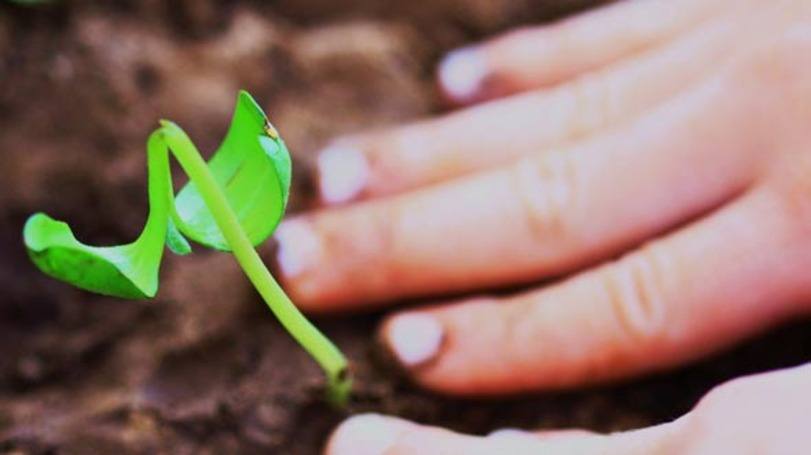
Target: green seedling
x=232 y=203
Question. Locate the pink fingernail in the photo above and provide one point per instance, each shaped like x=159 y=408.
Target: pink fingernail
x=414 y=338
x=462 y=73
x=343 y=172
x=365 y=434
x=300 y=247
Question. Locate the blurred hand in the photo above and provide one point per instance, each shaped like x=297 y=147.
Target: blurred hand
x=673 y=134
x=756 y=415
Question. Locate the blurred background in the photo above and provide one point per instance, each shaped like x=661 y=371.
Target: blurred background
x=205 y=368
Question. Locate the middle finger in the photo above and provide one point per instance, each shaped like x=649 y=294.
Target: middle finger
x=544 y=215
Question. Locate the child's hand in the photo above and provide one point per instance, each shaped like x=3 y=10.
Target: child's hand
x=675 y=134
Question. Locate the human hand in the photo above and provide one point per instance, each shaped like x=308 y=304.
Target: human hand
x=690 y=159
x=672 y=134
x=760 y=414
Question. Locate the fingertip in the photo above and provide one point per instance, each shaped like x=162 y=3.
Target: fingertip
x=298 y=248
x=342 y=173
x=462 y=73
x=422 y=345
x=413 y=339
x=366 y=434
x=298 y=251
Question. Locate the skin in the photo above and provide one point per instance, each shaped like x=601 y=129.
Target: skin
x=757 y=415
x=653 y=156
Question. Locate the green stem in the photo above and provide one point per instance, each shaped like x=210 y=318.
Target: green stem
x=308 y=336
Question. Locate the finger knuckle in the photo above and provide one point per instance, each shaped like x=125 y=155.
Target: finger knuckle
x=594 y=102
x=771 y=84
x=778 y=59
x=788 y=203
x=547 y=188
x=636 y=295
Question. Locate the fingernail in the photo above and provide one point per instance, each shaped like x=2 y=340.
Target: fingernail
x=365 y=434
x=299 y=247
x=414 y=338
x=462 y=73
x=343 y=172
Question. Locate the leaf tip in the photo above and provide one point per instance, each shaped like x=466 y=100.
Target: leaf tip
x=247 y=104
x=166 y=123
x=35 y=231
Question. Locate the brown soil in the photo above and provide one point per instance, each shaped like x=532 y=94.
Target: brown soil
x=205 y=368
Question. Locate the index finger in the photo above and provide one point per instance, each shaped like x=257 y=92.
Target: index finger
x=549 y=54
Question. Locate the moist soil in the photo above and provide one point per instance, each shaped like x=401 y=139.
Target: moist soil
x=204 y=367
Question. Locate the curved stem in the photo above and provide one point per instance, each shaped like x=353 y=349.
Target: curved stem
x=308 y=336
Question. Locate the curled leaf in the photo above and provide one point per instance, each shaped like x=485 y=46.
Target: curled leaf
x=253 y=169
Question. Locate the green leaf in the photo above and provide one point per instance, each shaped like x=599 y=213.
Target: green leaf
x=252 y=167
x=233 y=202
x=175 y=240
